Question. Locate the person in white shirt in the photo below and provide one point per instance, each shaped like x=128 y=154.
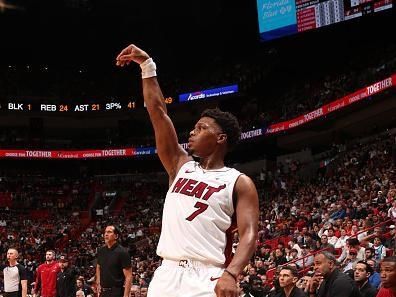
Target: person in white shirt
x=331 y=238
x=341 y=242
x=350 y=261
x=392 y=211
x=294 y=245
x=352 y=243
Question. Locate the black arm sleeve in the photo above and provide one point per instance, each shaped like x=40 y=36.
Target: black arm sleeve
x=125 y=260
x=22 y=272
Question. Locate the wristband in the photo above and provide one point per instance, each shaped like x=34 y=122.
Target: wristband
x=233 y=276
x=148 y=68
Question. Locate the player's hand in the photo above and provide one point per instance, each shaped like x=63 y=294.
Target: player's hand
x=226 y=286
x=131 y=54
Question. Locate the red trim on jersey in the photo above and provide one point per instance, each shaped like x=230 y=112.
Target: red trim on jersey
x=229 y=239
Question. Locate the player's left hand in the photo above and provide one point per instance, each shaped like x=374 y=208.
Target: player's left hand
x=226 y=286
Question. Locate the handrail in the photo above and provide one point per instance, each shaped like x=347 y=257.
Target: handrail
x=303 y=259
x=371 y=228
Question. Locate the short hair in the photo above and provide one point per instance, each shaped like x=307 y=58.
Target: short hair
x=255 y=278
x=228 y=123
x=116 y=230
x=329 y=256
x=14 y=249
x=368 y=267
x=353 y=241
x=292 y=269
x=379 y=238
x=51 y=251
x=391 y=259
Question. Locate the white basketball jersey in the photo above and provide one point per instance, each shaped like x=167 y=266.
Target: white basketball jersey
x=198 y=215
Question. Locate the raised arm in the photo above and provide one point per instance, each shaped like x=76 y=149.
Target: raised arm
x=171 y=154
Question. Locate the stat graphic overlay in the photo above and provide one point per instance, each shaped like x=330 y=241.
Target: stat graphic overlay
x=278 y=18
x=359 y=95
x=26 y=105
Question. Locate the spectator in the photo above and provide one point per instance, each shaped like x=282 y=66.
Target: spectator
x=324 y=244
x=335 y=283
x=288 y=278
x=352 y=243
x=331 y=238
x=80 y=285
x=304 y=281
x=342 y=240
x=362 y=272
x=350 y=261
x=388 y=277
x=379 y=249
x=390 y=241
x=375 y=277
x=369 y=254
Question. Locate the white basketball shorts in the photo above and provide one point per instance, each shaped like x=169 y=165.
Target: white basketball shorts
x=185 y=278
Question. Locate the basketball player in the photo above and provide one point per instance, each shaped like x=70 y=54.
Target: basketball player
x=203 y=202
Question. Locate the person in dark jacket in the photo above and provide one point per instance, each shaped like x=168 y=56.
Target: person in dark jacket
x=66 y=279
x=288 y=278
x=362 y=273
x=328 y=281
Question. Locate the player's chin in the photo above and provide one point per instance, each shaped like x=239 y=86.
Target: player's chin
x=190 y=151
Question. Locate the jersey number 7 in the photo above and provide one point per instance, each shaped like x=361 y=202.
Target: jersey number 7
x=201 y=208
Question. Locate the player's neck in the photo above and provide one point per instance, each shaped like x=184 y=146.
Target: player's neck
x=49 y=262
x=210 y=164
x=12 y=262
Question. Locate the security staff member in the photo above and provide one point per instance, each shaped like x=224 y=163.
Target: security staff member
x=113 y=269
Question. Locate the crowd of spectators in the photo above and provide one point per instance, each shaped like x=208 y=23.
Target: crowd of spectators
x=347 y=208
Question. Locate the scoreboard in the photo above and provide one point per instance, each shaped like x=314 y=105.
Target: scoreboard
x=24 y=106
x=68 y=107
x=30 y=105
x=278 y=18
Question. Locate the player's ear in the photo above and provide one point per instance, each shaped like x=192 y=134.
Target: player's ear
x=222 y=138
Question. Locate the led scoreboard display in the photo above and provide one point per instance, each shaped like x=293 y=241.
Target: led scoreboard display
x=278 y=18
x=68 y=107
